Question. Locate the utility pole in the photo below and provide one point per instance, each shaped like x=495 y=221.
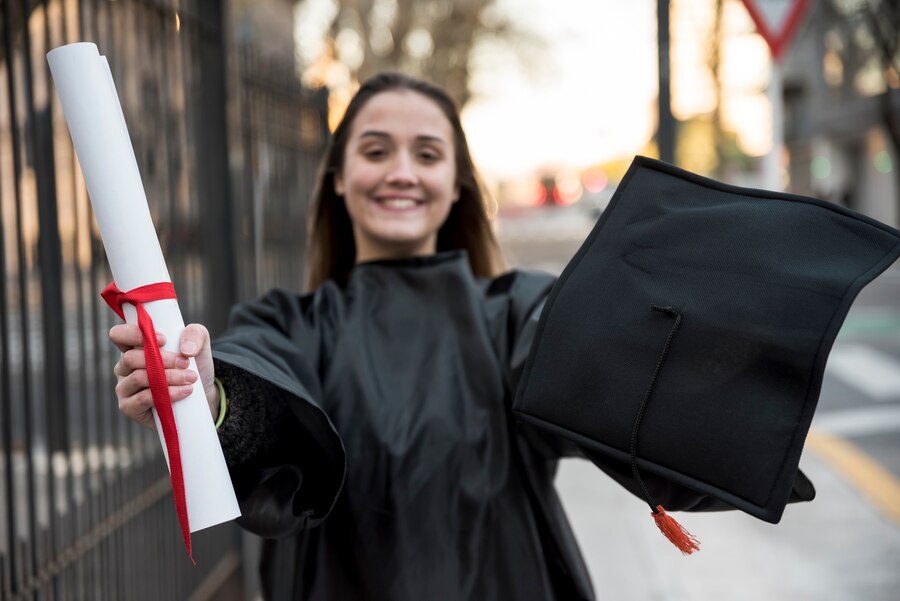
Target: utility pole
x=665 y=132
x=776 y=21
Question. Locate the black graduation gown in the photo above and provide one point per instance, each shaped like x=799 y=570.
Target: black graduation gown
x=405 y=379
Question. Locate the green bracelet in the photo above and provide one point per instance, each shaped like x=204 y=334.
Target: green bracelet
x=223 y=402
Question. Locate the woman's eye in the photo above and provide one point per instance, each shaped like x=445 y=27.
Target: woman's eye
x=374 y=153
x=429 y=156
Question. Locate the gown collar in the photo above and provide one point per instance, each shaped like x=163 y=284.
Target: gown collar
x=456 y=257
x=449 y=268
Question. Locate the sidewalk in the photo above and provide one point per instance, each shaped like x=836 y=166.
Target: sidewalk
x=837 y=548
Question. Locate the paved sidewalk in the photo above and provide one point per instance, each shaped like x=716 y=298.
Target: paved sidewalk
x=837 y=548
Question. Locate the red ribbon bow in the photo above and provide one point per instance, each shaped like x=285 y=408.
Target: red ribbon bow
x=159 y=387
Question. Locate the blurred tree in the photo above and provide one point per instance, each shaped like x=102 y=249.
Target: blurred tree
x=433 y=39
x=722 y=158
x=714 y=61
x=704 y=142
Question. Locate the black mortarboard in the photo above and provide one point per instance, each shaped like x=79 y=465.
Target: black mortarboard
x=689 y=334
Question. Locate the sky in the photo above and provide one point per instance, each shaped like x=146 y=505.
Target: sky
x=588 y=96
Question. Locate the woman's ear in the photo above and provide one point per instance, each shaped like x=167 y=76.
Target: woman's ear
x=338 y=182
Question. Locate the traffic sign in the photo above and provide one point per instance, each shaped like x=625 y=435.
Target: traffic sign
x=777 y=21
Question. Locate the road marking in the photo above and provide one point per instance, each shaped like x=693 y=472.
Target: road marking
x=859 y=422
x=875 y=374
x=872 y=321
x=876 y=483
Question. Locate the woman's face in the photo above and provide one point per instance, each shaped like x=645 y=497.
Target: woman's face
x=399 y=175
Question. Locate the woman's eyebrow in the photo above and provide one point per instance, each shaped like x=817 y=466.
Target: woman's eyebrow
x=374 y=133
x=425 y=138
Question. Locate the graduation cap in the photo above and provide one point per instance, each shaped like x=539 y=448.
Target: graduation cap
x=689 y=334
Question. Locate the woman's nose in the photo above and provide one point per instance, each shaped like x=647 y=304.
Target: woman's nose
x=402 y=171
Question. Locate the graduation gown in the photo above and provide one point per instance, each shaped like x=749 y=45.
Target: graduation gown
x=388 y=411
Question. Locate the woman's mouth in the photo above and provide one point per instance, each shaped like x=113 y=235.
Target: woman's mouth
x=398 y=204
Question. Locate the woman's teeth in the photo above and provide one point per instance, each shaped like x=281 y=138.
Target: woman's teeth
x=398 y=203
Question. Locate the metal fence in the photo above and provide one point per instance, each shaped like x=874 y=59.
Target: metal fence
x=226 y=143
x=279 y=136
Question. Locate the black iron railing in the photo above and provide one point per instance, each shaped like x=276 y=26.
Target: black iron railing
x=227 y=144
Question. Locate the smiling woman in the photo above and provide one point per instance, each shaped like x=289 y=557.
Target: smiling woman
x=381 y=400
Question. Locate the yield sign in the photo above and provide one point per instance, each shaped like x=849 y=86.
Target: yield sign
x=776 y=21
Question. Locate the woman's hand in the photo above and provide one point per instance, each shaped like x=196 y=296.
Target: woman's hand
x=133 y=388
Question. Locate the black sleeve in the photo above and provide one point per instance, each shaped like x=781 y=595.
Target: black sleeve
x=521 y=296
x=286 y=460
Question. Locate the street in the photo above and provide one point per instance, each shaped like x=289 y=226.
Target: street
x=844 y=546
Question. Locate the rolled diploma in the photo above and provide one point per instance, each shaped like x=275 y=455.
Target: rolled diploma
x=97 y=125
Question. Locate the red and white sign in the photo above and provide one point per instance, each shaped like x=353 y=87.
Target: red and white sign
x=777 y=21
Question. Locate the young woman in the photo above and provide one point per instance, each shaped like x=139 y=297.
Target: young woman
x=381 y=399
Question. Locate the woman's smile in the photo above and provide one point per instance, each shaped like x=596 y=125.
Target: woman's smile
x=399 y=203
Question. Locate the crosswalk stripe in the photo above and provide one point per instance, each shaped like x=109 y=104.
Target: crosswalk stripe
x=875 y=374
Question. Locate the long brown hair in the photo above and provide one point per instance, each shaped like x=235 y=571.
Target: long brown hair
x=332 y=249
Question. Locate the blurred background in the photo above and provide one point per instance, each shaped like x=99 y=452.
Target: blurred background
x=229 y=105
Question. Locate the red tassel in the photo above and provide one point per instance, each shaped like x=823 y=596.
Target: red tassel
x=675 y=532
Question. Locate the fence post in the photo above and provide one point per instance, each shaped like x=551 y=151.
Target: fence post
x=217 y=232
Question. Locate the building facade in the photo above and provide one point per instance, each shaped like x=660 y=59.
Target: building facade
x=842 y=106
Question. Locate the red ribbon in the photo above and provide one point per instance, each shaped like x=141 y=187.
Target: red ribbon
x=159 y=387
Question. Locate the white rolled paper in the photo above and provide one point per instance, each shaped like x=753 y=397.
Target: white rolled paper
x=97 y=125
